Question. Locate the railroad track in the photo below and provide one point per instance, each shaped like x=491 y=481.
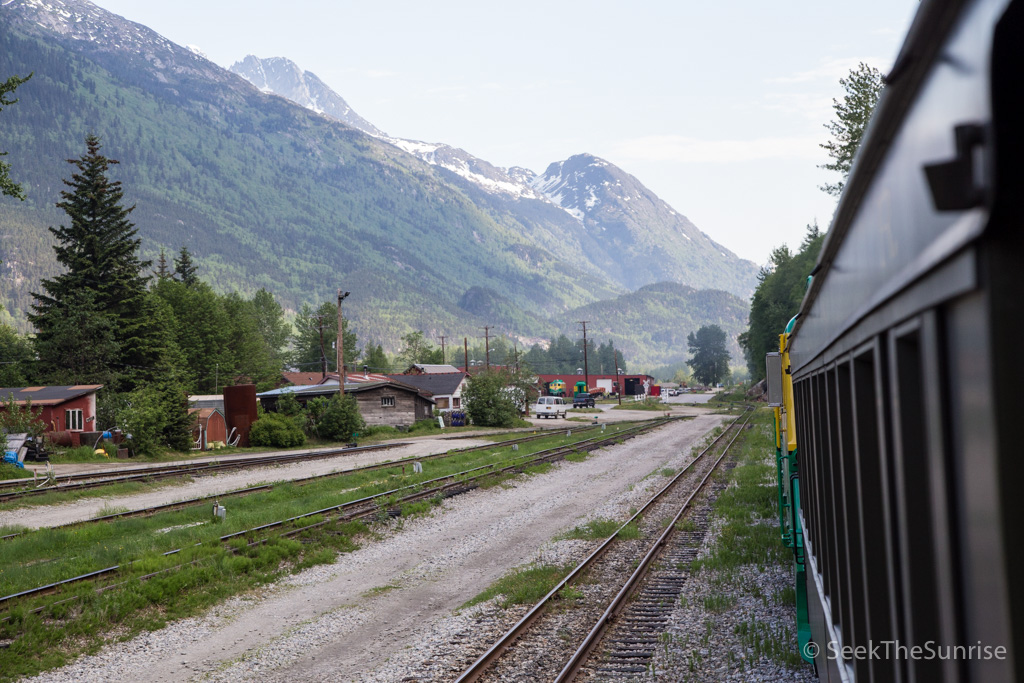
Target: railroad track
x=92 y=480
x=89 y=480
x=384 y=503
x=534 y=648
x=178 y=505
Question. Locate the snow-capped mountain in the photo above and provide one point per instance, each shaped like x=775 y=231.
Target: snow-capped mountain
x=284 y=77
x=91 y=29
x=607 y=222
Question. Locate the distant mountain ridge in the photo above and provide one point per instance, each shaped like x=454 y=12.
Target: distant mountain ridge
x=267 y=193
x=283 y=77
x=619 y=229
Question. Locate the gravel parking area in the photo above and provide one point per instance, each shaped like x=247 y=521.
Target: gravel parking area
x=385 y=611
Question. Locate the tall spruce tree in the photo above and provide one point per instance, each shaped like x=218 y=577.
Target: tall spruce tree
x=102 y=283
x=163 y=269
x=185 y=269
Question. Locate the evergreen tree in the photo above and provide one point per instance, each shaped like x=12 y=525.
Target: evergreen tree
x=777 y=299
x=710 y=361
x=375 y=359
x=863 y=85
x=7 y=186
x=306 y=349
x=99 y=250
x=15 y=358
x=163 y=270
x=185 y=269
x=271 y=326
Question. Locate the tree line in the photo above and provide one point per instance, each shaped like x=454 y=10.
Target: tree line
x=153 y=333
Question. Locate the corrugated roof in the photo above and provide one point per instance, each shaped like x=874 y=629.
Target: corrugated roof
x=438 y=384
x=47 y=396
x=331 y=387
x=431 y=369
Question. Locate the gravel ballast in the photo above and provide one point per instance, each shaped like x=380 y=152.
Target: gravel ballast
x=390 y=604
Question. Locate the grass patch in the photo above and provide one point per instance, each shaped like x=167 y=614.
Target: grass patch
x=577 y=456
x=594 y=530
x=718 y=602
x=524 y=586
x=667 y=471
x=110 y=510
x=380 y=590
x=9 y=471
x=646 y=404
x=774 y=643
x=629 y=532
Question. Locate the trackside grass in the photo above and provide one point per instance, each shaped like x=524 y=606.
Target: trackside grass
x=524 y=586
x=205 y=571
x=745 y=575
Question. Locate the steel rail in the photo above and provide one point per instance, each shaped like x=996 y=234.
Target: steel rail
x=368 y=504
x=162 y=472
x=90 y=480
x=301 y=481
x=480 y=666
x=593 y=638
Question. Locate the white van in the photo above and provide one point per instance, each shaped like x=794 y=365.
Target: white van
x=549 y=406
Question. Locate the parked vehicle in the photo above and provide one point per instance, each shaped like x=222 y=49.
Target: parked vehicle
x=549 y=406
x=583 y=400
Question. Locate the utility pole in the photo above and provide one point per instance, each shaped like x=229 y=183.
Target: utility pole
x=341 y=344
x=323 y=354
x=443 y=359
x=487 y=347
x=465 y=348
x=618 y=376
x=586 y=370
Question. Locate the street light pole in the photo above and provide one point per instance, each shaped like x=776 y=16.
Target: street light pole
x=586 y=369
x=341 y=344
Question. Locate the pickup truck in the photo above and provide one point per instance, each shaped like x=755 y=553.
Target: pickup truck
x=583 y=400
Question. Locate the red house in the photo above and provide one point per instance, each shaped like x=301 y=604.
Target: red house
x=66 y=408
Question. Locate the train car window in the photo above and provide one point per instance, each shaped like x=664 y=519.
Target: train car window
x=913 y=500
x=833 y=491
x=818 y=523
x=875 y=545
x=853 y=629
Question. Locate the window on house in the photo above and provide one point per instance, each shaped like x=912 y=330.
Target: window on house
x=73 y=420
x=387 y=401
x=456 y=402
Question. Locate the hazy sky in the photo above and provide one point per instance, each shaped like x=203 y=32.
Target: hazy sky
x=718 y=107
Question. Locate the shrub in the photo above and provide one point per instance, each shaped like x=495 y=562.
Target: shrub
x=487 y=402
x=15 y=419
x=341 y=419
x=275 y=429
x=427 y=425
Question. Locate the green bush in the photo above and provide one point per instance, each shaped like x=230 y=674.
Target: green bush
x=275 y=429
x=15 y=419
x=341 y=419
x=428 y=425
x=379 y=430
x=487 y=402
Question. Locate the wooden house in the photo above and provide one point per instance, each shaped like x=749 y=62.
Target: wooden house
x=384 y=402
x=64 y=408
